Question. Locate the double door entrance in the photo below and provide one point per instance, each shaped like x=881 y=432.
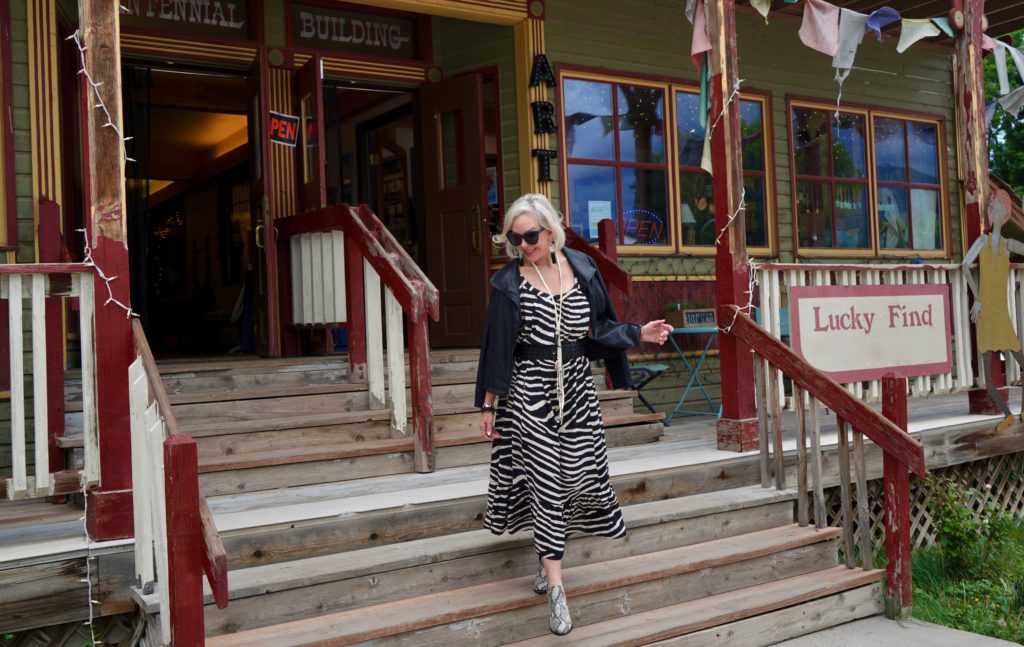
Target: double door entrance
x=210 y=180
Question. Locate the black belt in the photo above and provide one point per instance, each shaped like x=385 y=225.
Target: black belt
x=570 y=350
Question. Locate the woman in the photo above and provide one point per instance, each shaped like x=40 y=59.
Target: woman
x=549 y=465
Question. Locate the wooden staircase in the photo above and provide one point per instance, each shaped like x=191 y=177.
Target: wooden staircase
x=333 y=539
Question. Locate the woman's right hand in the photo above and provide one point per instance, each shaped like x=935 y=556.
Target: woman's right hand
x=487 y=429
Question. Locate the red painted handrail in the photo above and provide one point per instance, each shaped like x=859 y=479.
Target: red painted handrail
x=893 y=440
x=419 y=299
x=888 y=430
x=613 y=275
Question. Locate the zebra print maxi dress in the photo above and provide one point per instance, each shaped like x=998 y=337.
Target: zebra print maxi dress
x=551 y=478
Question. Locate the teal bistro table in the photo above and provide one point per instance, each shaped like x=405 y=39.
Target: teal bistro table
x=694 y=383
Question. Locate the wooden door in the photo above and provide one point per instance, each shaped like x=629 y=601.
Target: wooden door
x=263 y=278
x=309 y=90
x=451 y=121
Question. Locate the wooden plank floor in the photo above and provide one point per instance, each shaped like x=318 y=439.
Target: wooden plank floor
x=687 y=442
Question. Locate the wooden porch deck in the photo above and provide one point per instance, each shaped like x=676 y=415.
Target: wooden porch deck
x=31 y=531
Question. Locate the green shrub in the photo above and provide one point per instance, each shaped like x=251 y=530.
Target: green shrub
x=972 y=544
x=973 y=578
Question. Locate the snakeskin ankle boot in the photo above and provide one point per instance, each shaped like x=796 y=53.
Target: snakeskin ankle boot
x=561 y=620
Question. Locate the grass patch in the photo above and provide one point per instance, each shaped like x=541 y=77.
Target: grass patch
x=973 y=578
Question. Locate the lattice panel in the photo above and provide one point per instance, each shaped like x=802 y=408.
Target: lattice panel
x=1004 y=475
x=127 y=630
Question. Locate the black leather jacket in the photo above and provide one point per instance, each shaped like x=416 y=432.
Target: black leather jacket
x=608 y=338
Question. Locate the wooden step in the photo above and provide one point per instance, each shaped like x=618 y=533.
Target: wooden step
x=299 y=464
x=278 y=525
x=791 y=622
x=489 y=604
x=331 y=429
x=287 y=591
x=446 y=398
x=652 y=627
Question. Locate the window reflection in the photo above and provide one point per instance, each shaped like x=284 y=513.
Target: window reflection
x=909 y=208
x=641 y=124
x=589 y=120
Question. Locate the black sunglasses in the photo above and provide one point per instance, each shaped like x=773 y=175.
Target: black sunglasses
x=530 y=237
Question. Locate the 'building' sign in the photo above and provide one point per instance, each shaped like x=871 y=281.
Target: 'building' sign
x=320 y=27
x=862 y=332
x=223 y=18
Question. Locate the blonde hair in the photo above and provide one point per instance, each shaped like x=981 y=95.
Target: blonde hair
x=547 y=217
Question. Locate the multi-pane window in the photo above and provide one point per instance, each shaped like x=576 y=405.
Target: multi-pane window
x=909 y=190
x=616 y=162
x=633 y=154
x=848 y=200
x=832 y=191
x=697 y=209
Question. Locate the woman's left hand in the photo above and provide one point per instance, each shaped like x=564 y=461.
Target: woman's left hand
x=655 y=332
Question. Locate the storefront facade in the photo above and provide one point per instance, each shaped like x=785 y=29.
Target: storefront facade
x=594 y=104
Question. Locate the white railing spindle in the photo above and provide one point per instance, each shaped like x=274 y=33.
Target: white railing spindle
x=87 y=336
x=396 y=363
x=138 y=389
x=40 y=422
x=19 y=481
x=374 y=338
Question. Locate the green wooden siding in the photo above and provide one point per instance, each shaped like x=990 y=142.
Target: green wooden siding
x=653 y=38
x=461 y=46
x=22 y=132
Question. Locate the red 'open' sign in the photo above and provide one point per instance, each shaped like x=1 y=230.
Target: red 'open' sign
x=284 y=129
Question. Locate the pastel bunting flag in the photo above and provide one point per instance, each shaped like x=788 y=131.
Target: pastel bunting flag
x=999 y=52
x=762 y=7
x=1013 y=102
x=1018 y=60
x=852 y=26
x=819 y=29
x=700 y=43
x=988 y=43
x=882 y=18
x=691 y=8
x=990 y=112
x=912 y=31
x=943 y=24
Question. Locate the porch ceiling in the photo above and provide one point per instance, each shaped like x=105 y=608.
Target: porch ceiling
x=1004 y=16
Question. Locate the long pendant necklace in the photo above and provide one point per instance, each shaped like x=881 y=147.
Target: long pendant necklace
x=558 y=305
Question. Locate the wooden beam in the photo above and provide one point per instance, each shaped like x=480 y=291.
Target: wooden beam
x=896 y=486
x=110 y=508
x=737 y=429
x=970 y=108
x=891 y=438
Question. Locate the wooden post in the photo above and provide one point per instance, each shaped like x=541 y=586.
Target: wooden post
x=109 y=506
x=972 y=139
x=608 y=243
x=185 y=548
x=737 y=428
x=897 y=506
x=420 y=388
x=51 y=250
x=356 y=311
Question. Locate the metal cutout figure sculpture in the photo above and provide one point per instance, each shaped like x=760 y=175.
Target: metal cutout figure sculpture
x=990 y=313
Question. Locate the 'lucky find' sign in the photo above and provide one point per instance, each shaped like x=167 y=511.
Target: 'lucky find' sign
x=863 y=332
